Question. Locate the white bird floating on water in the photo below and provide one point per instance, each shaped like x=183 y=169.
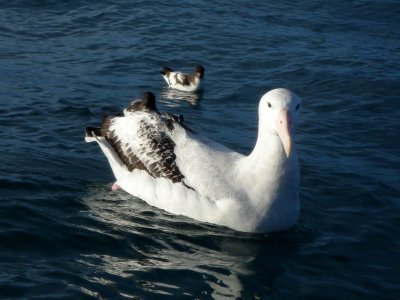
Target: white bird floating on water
x=156 y=157
x=184 y=82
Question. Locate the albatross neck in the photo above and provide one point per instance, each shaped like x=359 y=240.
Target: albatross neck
x=268 y=151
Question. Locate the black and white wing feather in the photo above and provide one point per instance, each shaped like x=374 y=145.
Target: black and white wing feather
x=143 y=142
x=142 y=138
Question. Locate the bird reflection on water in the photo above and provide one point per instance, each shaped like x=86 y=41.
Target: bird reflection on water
x=164 y=253
x=173 y=98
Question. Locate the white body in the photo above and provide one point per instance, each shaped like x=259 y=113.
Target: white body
x=255 y=193
x=175 y=79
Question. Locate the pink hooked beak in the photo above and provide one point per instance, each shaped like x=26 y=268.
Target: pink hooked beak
x=284 y=129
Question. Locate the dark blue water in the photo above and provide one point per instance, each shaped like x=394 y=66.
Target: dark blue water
x=64 y=64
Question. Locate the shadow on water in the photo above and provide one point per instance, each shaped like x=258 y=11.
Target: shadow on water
x=169 y=255
x=173 y=98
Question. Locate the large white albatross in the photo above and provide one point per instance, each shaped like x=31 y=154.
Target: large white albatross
x=156 y=157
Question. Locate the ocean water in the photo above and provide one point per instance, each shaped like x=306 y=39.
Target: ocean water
x=64 y=64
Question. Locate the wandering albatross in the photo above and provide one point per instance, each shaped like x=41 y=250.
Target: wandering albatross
x=182 y=81
x=155 y=156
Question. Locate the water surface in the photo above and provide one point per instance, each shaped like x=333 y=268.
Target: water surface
x=64 y=234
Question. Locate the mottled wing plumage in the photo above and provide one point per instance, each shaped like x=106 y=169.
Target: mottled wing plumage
x=183 y=79
x=141 y=138
x=125 y=152
x=156 y=149
x=148 y=146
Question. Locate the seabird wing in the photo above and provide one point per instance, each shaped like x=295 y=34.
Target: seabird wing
x=143 y=142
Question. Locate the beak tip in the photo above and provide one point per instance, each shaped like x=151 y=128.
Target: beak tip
x=288 y=152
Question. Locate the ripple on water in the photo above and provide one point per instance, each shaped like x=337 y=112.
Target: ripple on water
x=63 y=234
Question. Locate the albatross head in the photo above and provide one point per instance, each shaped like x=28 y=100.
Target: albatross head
x=279 y=111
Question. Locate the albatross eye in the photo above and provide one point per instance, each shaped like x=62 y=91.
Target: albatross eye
x=298 y=106
x=269 y=104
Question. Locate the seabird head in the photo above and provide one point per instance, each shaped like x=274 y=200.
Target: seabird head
x=199 y=70
x=165 y=71
x=279 y=111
